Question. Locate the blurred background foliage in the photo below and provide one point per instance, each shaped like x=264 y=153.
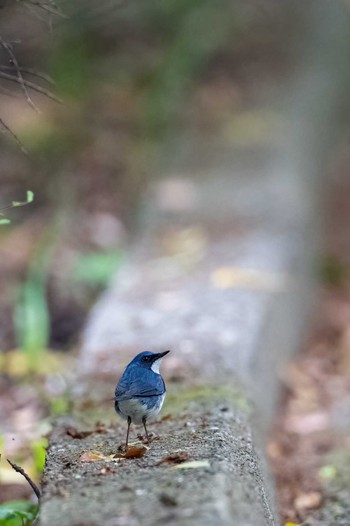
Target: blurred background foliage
x=133 y=77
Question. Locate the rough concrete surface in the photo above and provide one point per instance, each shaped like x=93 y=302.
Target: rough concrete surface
x=229 y=486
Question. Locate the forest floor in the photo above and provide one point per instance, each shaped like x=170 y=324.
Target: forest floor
x=309 y=447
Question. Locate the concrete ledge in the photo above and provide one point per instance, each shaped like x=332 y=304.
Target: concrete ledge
x=225 y=481
x=229 y=304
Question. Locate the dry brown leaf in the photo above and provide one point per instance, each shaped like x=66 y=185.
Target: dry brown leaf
x=307 y=501
x=305 y=424
x=74 y=433
x=92 y=456
x=274 y=449
x=134 y=451
x=175 y=458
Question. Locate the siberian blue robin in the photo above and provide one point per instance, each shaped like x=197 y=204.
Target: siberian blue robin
x=140 y=392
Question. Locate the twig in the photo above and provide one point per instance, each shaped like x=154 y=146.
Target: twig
x=29 y=71
x=31 y=85
x=20 y=470
x=45 y=7
x=13 y=135
x=33 y=11
x=20 y=78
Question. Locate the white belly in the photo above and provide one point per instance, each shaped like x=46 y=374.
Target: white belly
x=137 y=410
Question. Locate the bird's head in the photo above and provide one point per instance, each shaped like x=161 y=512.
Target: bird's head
x=149 y=360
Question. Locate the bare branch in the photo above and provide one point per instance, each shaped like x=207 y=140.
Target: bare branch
x=29 y=71
x=52 y=9
x=32 y=484
x=16 y=72
x=13 y=58
x=13 y=135
x=31 y=85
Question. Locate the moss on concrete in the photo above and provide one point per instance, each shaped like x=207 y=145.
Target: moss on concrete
x=336 y=479
x=230 y=396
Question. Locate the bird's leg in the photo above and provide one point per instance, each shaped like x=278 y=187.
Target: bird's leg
x=144 y=425
x=127 y=434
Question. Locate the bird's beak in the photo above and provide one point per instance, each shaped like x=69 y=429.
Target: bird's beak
x=159 y=355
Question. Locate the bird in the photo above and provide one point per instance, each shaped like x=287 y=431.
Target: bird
x=140 y=392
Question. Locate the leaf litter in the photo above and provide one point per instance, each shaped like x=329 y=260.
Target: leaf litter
x=175 y=458
x=135 y=450
x=313 y=422
x=73 y=432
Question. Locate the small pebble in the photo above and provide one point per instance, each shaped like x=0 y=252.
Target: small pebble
x=140 y=492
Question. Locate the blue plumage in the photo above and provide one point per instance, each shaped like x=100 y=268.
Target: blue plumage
x=140 y=392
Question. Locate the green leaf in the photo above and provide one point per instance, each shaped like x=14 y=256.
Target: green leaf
x=30 y=198
x=32 y=319
x=59 y=405
x=39 y=452
x=17 y=512
x=328 y=472
x=15 y=204
x=96 y=268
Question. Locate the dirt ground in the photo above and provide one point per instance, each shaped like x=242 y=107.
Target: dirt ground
x=309 y=447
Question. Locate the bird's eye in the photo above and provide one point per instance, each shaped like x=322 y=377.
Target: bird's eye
x=147 y=358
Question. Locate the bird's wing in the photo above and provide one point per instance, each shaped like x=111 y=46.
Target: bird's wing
x=133 y=385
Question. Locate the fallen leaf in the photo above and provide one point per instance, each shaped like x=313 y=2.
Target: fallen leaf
x=310 y=423
x=307 y=501
x=175 y=458
x=231 y=277
x=166 y=417
x=92 y=456
x=100 y=428
x=274 y=450
x=194 y=464
x=74 y=433
x=134 y=451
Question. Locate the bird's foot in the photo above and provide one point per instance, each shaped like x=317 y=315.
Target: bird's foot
x=122 y=448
